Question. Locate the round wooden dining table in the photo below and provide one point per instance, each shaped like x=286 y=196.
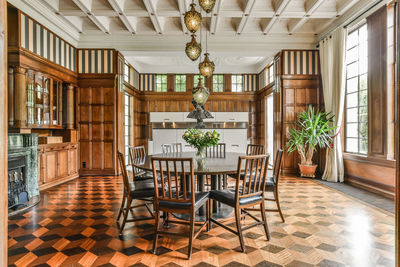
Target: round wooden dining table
x=213 y=166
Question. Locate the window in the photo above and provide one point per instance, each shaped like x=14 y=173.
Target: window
x=126 y=73
x=237 y=83
x=161 y=82
x=356 y=102
x=127 y=117
x=180 y=83
x=218 y=83
x=271 y=73
x=196 y=78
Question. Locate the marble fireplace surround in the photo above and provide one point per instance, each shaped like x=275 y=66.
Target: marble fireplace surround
x=26 y=145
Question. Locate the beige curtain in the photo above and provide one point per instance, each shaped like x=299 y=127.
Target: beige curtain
x=332 y=53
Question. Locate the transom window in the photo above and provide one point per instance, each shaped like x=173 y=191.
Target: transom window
x=126 y=73
x=180 y=83
x=237 y=83
x=196 y=78
x=161 y=82
x=218 y=83
x=356 y=102
x=271 y=73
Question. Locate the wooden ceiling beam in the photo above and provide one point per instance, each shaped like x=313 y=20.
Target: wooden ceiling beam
x=101 y=22
x=182 y=9
x=309 y=6
x=153 y=16
x=118 y=6
x=279 y=6
x=245 y=17
x=215 y=16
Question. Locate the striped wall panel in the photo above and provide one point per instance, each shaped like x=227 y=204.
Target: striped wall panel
x=301 y=62
x=136 y=78
x=147 y=82
x=95 y=60
x=250 y=82
x=44 y=43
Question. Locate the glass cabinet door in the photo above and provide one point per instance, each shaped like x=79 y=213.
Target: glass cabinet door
x=38 y=99
x=46 y=101
x=30 y=97
x=56 y=90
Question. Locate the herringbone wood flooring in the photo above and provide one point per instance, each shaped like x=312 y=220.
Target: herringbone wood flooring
x=74 y=225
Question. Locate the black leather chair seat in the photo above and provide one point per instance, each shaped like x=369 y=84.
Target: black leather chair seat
x=228 y=197
x=200 y=199
x=142 y=189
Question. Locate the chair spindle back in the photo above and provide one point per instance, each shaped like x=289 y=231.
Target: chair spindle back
x=171 y=148
x=125 y=179
x=277 y=166
x=255 y=150
x=137 y=156
x=217 y=151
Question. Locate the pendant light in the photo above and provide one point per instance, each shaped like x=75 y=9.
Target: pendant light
x=200 y=93
x=207 y=5
x=193 y=49
x=192 y=19
x=206 y=67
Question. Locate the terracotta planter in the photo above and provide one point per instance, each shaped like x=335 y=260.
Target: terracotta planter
x=308 y=170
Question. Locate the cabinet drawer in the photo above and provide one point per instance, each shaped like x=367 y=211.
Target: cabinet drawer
x=232 y=117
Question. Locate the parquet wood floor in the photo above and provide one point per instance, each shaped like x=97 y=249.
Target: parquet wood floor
x=74 y=225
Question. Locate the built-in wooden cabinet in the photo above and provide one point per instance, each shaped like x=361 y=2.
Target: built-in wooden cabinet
x=58 y=163
x=43 y=101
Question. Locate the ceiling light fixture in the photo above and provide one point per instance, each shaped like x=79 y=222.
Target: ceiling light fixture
x=206 y=67
x=193 y=49
x=192 y=19
x=207 y=5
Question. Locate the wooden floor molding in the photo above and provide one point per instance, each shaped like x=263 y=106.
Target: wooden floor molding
x=74 y=225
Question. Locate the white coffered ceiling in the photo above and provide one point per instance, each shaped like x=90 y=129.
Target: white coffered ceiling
x=243 y=33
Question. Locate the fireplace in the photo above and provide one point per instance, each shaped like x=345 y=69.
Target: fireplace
x=23 y=187
x=17 y=194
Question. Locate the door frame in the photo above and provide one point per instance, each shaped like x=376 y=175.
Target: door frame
x=3 y=134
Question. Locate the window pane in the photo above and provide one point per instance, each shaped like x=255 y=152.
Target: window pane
x=352 y=55
x=363 y=128
x=352 y=39
x=352 y=100
x=363 y=50
x=352 y=70
x=352 y=115
x=363 y=34
x=352 y=130
x=363 y=146
x=363 y=82
x=352 y=145
x=363 y=114
x=352 y=85
x=363 y=98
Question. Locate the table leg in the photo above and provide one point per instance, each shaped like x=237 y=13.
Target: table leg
x=214 y=186
x=201 y=186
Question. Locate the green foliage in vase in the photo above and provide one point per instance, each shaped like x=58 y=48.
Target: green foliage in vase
x=199 y=139
x=314 y=129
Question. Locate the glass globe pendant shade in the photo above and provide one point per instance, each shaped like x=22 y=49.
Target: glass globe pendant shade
x=200 y=93
x=193 y=49
x=206 y=67
x=192 y=19
x=207 y=5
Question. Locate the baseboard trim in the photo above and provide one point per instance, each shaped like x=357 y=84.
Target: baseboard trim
x=58 y=182
x=372 y=186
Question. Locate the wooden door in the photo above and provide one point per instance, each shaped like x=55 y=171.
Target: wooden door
x=62 y=163
x=51 y=166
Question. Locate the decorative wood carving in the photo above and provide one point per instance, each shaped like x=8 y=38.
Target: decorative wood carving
x=20 y=110
x=70 y=107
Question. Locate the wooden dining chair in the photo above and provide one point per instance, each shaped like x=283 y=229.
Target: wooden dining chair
x=248 y=192
x=137 y=190
x=137 y=155
x=255 y=149
x=171 y=148
x=217 y=151
x=272 y=183
x=177 y=195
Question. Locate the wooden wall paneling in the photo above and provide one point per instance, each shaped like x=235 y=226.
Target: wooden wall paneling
x=171 y=82
x=3 y=133
x=228 y=82
x=189 y=82
x=377 y=48
x=397 y=131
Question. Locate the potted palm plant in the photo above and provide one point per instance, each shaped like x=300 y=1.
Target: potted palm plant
x=314 y=129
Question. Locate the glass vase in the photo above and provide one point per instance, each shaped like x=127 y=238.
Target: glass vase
x=201 y=152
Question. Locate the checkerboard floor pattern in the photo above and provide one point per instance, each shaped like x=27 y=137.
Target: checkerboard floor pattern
x=74 y=225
